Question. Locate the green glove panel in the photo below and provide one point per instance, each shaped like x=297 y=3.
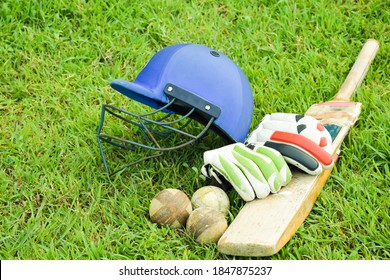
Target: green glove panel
x=278 y=160
x=253 y=172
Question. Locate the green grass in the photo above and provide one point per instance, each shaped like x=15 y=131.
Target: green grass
x=57 y=59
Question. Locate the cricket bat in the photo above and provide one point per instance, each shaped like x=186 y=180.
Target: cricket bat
x=264 y=226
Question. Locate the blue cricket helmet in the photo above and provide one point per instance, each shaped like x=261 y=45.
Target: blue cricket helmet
x=190 y=80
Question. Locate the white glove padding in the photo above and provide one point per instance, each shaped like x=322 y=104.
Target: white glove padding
x=252 y=172
x=302 y=140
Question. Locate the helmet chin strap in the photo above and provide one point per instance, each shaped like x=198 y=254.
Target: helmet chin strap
x=145 y=125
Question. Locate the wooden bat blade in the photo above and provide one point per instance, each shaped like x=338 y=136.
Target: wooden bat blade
x=264 y=226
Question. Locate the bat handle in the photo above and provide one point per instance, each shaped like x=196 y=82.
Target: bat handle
x=358 y=70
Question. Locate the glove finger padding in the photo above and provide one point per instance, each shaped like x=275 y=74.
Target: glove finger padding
x=252 y=173
x=302 y=140
x=278 y=160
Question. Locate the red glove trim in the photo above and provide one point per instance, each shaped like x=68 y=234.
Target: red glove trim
x=304 y=143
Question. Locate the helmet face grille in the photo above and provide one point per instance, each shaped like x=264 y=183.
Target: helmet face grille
x=145 y=136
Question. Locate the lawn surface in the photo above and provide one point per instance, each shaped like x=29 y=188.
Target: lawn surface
x=57 y=59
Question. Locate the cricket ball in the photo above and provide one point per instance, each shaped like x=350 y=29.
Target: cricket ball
x=170 y=207
x=213 y=197
x=206 y=224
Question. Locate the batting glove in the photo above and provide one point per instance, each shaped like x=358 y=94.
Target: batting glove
x=301 y=139
x=254 y=171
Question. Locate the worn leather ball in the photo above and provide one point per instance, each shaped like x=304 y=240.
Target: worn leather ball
x=170 y=207
x=206 y=224
x=211 y=196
